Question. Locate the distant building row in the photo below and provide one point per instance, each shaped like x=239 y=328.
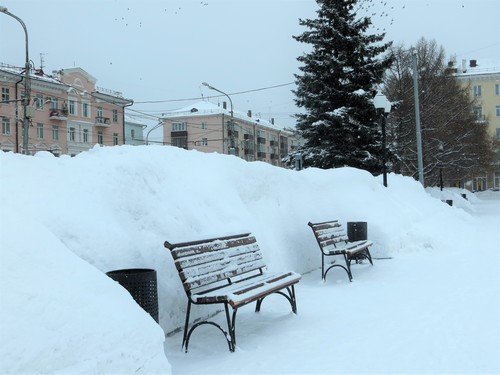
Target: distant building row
x=68 y=112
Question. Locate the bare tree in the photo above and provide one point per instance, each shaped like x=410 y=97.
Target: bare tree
x=453 y=141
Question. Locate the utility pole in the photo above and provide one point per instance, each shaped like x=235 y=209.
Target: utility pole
x=232 y=144
x=27 y=84
x=417 y=120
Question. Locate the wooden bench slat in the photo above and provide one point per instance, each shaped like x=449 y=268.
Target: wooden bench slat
x=216 y=245
x=217 y=266
x=199 y=259
x=328 y=225
x=197 y=282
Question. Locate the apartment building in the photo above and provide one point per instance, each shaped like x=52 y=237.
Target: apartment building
x=483 y=81
x=134 y=129
x=208 y=127
x=68 y=112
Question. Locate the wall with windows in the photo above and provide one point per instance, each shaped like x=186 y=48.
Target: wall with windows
x=485 y=89
x=216 y=133
x=68 y=115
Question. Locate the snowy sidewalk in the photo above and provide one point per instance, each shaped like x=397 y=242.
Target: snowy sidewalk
x=428 y=311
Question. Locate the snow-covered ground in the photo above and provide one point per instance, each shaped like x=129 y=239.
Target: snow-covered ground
x=433 y=307
x=434 y=311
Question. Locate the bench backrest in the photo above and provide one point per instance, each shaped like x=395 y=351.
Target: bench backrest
x=329 y=233
x=205 y=262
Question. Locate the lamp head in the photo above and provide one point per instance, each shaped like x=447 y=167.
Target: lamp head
x=381 y=103
x=3 y=9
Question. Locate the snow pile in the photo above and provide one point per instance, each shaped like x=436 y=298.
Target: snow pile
x=58 y=313
x=114 y=208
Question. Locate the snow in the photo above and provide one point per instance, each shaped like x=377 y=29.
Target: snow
x=433 y=307
x=206 y=108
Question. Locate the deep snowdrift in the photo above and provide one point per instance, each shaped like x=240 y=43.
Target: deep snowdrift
x=114 y=208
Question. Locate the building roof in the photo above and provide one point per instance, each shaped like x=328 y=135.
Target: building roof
x=33 y=74
x=484 y=66
x=206 y=108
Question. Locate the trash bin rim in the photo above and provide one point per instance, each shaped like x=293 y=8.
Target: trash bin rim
x=129 y=271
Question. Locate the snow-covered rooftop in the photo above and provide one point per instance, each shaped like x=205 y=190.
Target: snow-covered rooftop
x=484 y=66
x=41 y=76
x=206 y=108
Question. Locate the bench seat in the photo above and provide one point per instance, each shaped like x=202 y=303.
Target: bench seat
x=349 y=247
x=249 y=290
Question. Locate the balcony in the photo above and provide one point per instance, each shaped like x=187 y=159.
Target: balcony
x=58 y=114
x=481 y=119
x=104 y=122
x=232 y=133
x=179 y=133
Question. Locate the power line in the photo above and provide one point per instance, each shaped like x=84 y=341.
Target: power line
x=213 y=96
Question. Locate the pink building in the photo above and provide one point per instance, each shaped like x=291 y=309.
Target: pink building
x=207 y=127
x=68 y=112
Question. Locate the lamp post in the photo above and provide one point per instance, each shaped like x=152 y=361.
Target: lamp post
x=383 y=107
x=441 y=148
x=232 y=116
x=27 y=83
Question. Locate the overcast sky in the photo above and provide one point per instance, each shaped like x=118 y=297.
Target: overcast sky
x=164 y=50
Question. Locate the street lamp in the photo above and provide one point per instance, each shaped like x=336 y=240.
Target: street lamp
x=383 y=107
x=27 y=83
x=232 y=117
x=441 y=148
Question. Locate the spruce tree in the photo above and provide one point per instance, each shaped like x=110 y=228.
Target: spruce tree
x=340 y=125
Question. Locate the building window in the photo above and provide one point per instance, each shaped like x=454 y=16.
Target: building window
x=86 y=110
x=5 y=126
x=85 y=135
x=497 y=88
x=5 y=94
x=180 y=142
x=39 y=130
x=204 y=141
x=99 y=137
x=497 y=110
x=115 y=139
x=478 y=113
x=54 y=103
x=72 y=134
x=477 y=90
x=203 y=125
x=498 y=133
x=115 y=115
x=39 y=103
x=100 y=112
x=261 y=133
x=179 y=126
x=496 y=180
x=55 y=132
x=132 y=133
x=72 y=107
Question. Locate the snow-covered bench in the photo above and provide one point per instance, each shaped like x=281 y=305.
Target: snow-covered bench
x=229 y=271
x=332 y=240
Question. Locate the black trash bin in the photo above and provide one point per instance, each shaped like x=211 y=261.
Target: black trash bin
x=141 y=284
x=357 y=230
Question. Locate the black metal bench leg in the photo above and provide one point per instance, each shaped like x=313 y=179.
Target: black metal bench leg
x=294 y=300
x=258 y=304
x=369 y=256
x=323 y=276
x=186 y=325
x=231 y=327
x=348 y=264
